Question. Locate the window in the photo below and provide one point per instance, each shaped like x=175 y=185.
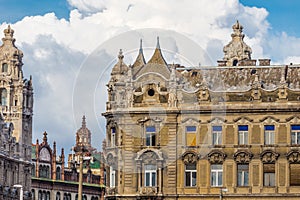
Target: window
x=243 y=175
x=112 y=177
x=190 y=175
x=58 y=175
x=3 y=94
x=190 y=135
x=295 y=134
x=216 y=175
x=217 y=135
x=4 y=67
x=150 y=175
x=294 y=174
x=269 y=134
x=269 y=174
x=57 y=196
x=113 y=137
x=243 y=134
x=150 y=136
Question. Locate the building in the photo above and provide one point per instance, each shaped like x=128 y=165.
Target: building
x=231 y=130
x=16 y=104
x=52 y=180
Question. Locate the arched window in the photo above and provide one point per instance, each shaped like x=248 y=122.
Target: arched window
x=48 y=196
x=3 y=93
x=40 y=195
x=33 y=171
x=4 y=67
x=33 y=194
x=57 y=196
x=235 y=62
x=84 y=197
x=58 y=175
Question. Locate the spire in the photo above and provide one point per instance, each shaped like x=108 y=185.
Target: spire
x=83 y=122
x=157 y=43
x=120 y=67
x=157 y=57
x=140 y=60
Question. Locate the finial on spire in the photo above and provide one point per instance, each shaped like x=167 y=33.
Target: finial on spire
x=120 y=56
x=45 y=137
x=157 y=44
x=83 y=121
x=141 y=46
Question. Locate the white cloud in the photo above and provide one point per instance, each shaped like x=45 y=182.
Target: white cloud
x=55 y=48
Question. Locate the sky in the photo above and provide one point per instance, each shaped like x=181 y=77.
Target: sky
x=70 y=47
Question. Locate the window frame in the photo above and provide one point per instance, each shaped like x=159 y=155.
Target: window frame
x=295 y=129
x=243 y=134
x=192 y=175
x=244 y=175
x=194 y=132
x=150 y=170
x=217 y=173
x=216 y=131
x=269 y=134
x=150 y=136
x=112 y=177
x=269 y=176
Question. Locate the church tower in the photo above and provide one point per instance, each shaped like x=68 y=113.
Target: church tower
x=16 y=94
x=83 y=136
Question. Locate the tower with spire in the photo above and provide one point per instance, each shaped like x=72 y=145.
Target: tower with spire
x=83 y=136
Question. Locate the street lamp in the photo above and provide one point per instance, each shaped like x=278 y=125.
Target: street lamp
x=21 y=190
x=221 y=192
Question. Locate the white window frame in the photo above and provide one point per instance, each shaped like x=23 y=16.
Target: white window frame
x=113 y=137
x=243 y=177
x=216 y=136
x=151 y=171
x=149 y=135
x=269 y=136
x=215 y=172
x=112 y=177
x=192 y=173
x=296 y=133
x=243 y=136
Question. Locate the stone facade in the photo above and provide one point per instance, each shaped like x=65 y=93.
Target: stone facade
x=178 y=133
x=16 y=105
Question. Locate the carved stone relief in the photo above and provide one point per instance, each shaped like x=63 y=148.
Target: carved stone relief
x=189 y=158
x=243 y=157
x=216 y=157
x=293 y=157
x=269 y=156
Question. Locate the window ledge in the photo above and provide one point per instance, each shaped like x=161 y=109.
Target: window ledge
x=242 y=146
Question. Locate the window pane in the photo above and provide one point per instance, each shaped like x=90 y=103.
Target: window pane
x=190 y=167
x=194 y=175
x=216 y=166
x=293 y=138
x=243 y=127
x=295 y=127
x=269 y=127
x=213 y=179
x=191 y=129
x=150 y=129
x=153 y=183
x=220 y=176
x=147 y=181
x=187 y=179
x=217 y=128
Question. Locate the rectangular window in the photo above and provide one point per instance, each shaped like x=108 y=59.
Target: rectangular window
x=295 y=134
x=150 y=136
x=294 y=174
x=190 y=135
x=112 y=177
x=113 y=136
x=269 y=175
x=243 y=175
x=216 y=175
x=190 y=175
x=217 y=135
x=243 y=134
x=269 y=134
x=150 y=175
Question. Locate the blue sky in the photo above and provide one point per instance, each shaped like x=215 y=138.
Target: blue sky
x=60 y=35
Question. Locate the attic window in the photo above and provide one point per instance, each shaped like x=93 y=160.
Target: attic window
x=151 y=92
x=4 y=67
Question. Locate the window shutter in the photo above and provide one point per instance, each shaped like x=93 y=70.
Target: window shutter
x=294 y=174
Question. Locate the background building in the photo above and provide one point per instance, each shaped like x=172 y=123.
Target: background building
x=175 y=132
x=52 y=180
x=16 y=103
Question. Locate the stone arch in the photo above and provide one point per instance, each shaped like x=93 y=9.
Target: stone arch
x=293 y=156
x=149 y=156
x=269 y=156
x=216 y=157
x=242 y=157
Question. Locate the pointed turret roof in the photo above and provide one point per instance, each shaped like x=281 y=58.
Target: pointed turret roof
x=140 y=60
x=157 y=57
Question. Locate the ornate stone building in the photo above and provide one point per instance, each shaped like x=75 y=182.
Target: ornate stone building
x=16 y=103
x=231 y=130
x=52 y=180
